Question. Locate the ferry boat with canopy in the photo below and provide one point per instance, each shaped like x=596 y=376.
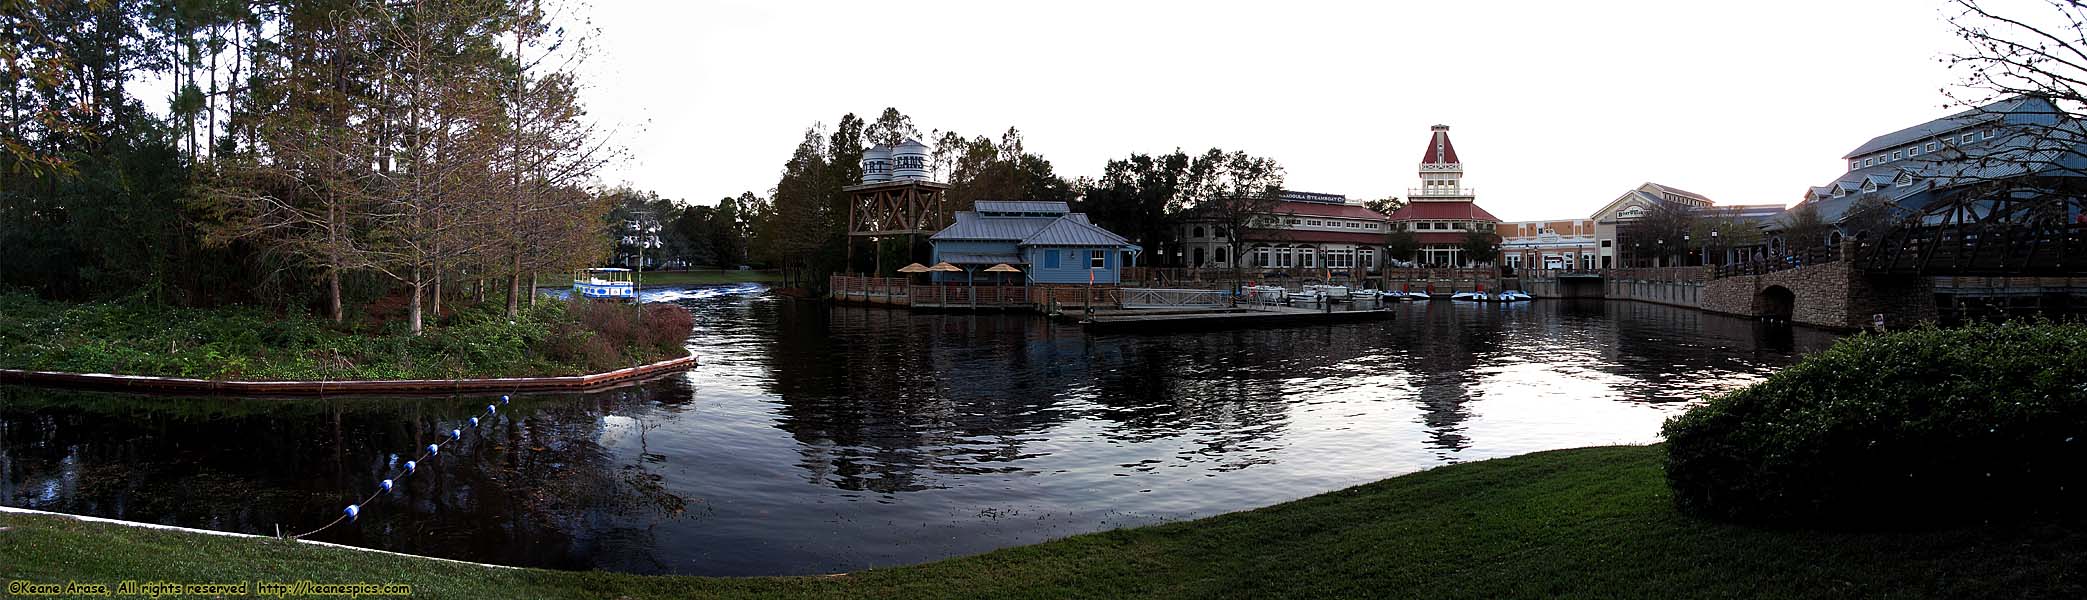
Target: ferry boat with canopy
x=604 y=284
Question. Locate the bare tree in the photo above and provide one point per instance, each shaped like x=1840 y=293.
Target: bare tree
x=1237 y=192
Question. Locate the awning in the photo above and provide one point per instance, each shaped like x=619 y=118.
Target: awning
x=981 y=259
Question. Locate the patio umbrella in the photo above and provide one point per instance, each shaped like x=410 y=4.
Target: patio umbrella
x=914 y=268
x=944 y=267
x=1002 y=268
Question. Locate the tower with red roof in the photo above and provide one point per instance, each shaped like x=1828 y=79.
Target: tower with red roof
x=1441 y=213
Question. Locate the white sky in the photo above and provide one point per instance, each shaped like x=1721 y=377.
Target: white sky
x=1556 y=107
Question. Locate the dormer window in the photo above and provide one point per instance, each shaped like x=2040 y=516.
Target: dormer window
x=1968 y=138
x=1869 y=162
x=1898 y=155
x=1931 y=146
x=1854 y=164
x=1914 y=151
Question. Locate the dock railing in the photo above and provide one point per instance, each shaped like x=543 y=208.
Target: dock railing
x=1172 y=298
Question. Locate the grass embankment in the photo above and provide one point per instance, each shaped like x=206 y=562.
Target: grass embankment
x=245 y=343
x=1592 y=523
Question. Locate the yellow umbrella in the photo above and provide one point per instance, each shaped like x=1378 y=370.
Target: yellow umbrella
x=945 y=267
x=1002 y=268
x=914 y=268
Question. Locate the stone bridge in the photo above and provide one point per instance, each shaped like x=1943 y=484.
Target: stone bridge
x=1834 y=294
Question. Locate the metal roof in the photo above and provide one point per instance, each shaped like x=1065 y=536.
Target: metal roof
x=963 y=258
x=1021 y=206
x=970 y=226
x=1069 y=232
x=1983 y=114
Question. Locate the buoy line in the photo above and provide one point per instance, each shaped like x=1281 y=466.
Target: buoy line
x=434 y=450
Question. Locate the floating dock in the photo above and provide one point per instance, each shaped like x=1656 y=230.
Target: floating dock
x=1265 y=316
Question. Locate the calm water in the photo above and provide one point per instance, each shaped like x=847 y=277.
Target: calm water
x=816 y=439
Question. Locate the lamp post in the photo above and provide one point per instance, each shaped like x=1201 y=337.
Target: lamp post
x=1713 y=244
x=1684 y=249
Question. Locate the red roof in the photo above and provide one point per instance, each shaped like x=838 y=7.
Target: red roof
x=1442 y=211
x=1322 y=209
x=1440 y=152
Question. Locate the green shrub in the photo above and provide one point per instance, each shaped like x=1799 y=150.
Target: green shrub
x=1908 y=429
x=143 y=338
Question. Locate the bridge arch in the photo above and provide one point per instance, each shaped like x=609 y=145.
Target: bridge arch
x=1776 y=302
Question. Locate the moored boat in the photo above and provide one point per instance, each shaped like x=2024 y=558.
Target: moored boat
x=604 y=284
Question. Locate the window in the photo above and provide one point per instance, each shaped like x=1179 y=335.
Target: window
x=1914 y=151
x=1196 y=258
x=1354 y=225
x=1305 y=256
x=1369 y=225
x=1295 y=221
x=1968 y=138
x=1097 y=259
x=1931 y=146
x=1197 y=234
x=1607 y=243
x=1218 y=233
x=1221 y=255
x=1868 y=162
x=1315 y=223
x=1899 y=155
x=1854 y=164
x=1050 y=259
x=1988 y=134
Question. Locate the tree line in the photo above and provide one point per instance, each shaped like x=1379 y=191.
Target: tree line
x=321 y=153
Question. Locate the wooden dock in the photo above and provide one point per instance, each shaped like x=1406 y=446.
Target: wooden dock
x=1267 y=316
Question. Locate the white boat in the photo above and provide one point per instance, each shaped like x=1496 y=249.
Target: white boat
x=1308 y=296
x=1473 y=296
x=1273 y=294
x=604 y=284
x=1513 y=296
x=1330 y=292
x=1365 y=295
x=1417 y=296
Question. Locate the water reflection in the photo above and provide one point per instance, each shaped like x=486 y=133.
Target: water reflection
x=819 y=439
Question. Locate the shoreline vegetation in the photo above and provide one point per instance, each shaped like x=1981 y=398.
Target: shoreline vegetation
x=247 y=343
x=1590 y=522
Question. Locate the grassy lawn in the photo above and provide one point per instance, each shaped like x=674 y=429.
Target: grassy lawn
x=1585 y=523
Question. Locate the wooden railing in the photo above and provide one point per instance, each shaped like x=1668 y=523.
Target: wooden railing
x=959 y=295
x=841 y=286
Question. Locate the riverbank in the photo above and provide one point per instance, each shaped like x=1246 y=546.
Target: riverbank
x=700 y=277
x=552 y=339
x=1591 y=522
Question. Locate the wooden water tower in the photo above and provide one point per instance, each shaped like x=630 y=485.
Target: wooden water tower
x=895 y=197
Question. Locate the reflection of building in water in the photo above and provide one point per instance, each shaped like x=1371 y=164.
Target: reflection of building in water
x=866 y=390
x=1448 y=348
x=885 y=400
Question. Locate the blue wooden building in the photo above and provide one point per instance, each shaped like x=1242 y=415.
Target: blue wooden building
x=1049 y=242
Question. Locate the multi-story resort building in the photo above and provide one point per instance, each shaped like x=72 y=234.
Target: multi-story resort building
x=1442 y=213
x=1560 y=244
x=1302 y=231
x=1908 y=169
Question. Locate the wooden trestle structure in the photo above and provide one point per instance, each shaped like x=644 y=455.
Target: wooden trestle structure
x=885 y=209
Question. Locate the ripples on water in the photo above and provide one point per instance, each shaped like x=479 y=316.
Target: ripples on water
x=820 y=439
